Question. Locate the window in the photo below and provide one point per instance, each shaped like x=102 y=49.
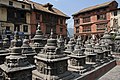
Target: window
x=61 y=21
x=37 y=16
x=22 y=14
x=101 y=17
x=17 y=27
x=23 y=6
x=87 y=28
x=101 y=27
x=49 y=27
x=10 y=3
x=15 y=15
x=115 y=22
x=76 y=21
x=115 y=13
x=25 y=28
x=61 y=29
x=44 y=17
x=86 y=19
x=7 y=28
x=77 y=29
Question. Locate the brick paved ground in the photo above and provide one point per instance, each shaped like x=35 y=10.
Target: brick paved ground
x=113 y=74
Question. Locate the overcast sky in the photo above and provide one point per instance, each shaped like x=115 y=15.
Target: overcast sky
x=70 y=7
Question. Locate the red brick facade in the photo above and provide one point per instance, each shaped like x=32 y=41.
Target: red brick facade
x=49 y=18
x=93 y=20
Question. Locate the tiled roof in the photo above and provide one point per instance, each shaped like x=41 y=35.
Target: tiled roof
x=43 y=8
x=94 y=7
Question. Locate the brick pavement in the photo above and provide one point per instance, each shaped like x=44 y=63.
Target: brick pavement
x=113 y=74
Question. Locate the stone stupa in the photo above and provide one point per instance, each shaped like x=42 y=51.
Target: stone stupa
x=50 y=63
x=16 y=66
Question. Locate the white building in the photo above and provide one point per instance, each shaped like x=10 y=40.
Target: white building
x=115 y=18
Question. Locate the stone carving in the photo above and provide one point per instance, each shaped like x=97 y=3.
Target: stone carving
x=39 y=40
x=16 y=64
x=51 y=61
x=28 y=51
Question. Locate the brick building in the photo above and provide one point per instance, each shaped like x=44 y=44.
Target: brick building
x=93 y=20
x=48 y=17
x=14 y=15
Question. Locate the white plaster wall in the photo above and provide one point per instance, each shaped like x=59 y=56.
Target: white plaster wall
x=115 y=17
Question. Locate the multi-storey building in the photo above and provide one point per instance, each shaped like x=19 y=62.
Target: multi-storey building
x=93 y=20
x=115 y=18
x=15 y=14
x=48 y=17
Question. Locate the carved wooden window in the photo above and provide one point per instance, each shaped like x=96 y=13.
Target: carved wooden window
x=101 y=17
x=61 y=21
x=17 y=27
x=10 y=3
x=86 y=19
x=61 y=29
x=76 y=21
x=115 y=13
x=7 y=27
x=25 y=28
x=87 y=28
x=22 y=14
x=101 y=27
x=77 y=29
x=37 y=16
x=23 y=6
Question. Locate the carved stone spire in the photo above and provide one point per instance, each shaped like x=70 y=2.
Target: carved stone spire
x=39 y=40
x=6 y=43
x=16 y=39
x=70 y=47
x=90 y=54
x=100 y=54
x=28 y=51
x=60 y=43
x=3 y=53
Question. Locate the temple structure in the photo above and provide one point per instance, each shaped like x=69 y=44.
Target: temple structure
x=99 y=54
x=69 y=47
x=39 y=40
x=50 y=63
x=90 y=54
x=78 y=59
x=28 y=51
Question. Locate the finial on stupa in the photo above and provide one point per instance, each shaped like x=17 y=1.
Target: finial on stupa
x=38 y=27
x=51 y=34
x=16 y=35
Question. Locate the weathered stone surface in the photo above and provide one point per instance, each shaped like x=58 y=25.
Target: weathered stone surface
x=16 y=65
x=28 y=51
x=50 y=63
x=39 y=40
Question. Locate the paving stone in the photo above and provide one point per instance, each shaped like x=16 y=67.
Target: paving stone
x=113 y=74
